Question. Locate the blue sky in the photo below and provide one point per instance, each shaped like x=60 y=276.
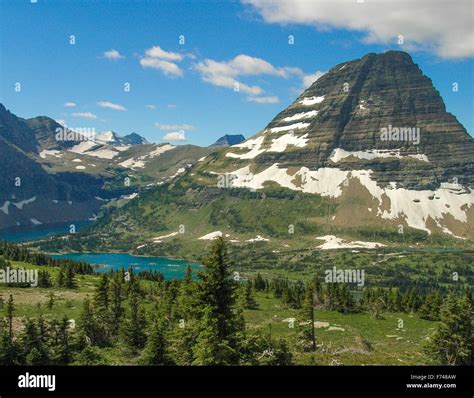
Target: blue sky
x=176 y=88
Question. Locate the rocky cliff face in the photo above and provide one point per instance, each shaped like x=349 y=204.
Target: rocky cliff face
x=349 y=107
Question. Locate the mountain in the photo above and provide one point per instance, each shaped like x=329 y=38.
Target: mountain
x=367 y=154
x=50 y=174
x=228 y=140
x=134 y=139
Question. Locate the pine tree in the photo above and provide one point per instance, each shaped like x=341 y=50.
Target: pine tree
x=60 y=278
x=70 y=282
x=116 y=302
x=210 y=349
x=50 y=301
x=63 y=351
x=307 y=318
x=10 y=312
x=217 y=290
x=32 y=343
x=155 y=352
x=187 y=300
x=101 y=299
x=247 y=298
x=134 y=325
x=8 y=350
x=453 y=341
x=221 y=322
x=89 y=327
x=259 y=283
x=44 y=279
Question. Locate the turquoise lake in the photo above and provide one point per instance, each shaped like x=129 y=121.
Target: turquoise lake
x=170 y=268
x=19 y=235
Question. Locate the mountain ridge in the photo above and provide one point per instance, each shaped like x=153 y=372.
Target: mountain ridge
x=325 y=149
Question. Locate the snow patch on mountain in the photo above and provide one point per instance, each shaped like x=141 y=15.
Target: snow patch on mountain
x=140 y=161
x=211 y=235
x=312 y=100
x=5 y=207
x=324 y=181
x=254 y=144
x=413 y=207
x=52 y=152
x=295 y=126
x=302 y=115
x=19 y=205
x=332 y=242
x=338 y=154
x=279 y=144
x=159 y=239
x=258 y=238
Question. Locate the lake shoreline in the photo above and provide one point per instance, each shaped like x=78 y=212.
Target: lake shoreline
x=113 y=261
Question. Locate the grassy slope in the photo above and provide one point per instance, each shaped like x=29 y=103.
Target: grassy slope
x=192 y=203
x=31 y=302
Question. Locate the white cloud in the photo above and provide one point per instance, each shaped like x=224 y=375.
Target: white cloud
x=226 y=73
x=158 y=52
x=264 y=100
x=150 y=106
x=112 y=54
x=175 y=136
x=443 y=27
x=157 y=58
x=111 y=105
x=168 y=68
x=85 y=115
x=70 y=104
x=169 y=127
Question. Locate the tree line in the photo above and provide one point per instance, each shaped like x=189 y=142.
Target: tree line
x=187 y=322
x=10 y=251
x=200 y=321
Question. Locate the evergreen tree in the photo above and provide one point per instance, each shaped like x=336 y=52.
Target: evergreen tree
x=307 y=318
x=453 y=341
x=187 y=300
x=92 y=331
x=431 y=307
x=44 y=279
x=101 y=299
x=221 y=324
x=10 y=312
x=8 y=350
x=259 y=283
x=210 y=349
x=246 y=297
x=50 y=301
x=70 y=282
x=116 y=302
x=33 y=348
x=60 y=280
x=155 y=352
x=63 y=349
x=134 y=325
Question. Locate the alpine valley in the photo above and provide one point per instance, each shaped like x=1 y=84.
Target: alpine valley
x=51 y=174
x=366 y=157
